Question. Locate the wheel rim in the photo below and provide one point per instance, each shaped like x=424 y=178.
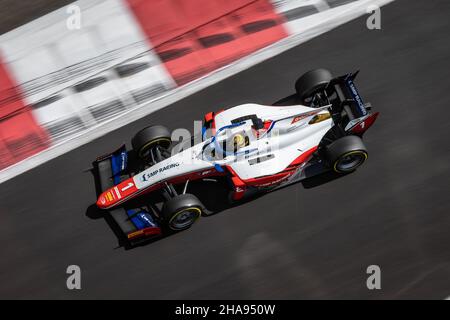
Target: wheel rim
x=350 y=161
x=184 y=218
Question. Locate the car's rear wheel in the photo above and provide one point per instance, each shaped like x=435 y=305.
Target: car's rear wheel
x=148 y=138
x=181 y=212
x=312 y=82
x=346 y=154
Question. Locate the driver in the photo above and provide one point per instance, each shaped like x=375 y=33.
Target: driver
x=239 y=141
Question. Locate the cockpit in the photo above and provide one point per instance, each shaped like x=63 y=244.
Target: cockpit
x=239 y=138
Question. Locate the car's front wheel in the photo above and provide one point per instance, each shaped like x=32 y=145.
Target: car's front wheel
x=148 y=138
x=181 y=212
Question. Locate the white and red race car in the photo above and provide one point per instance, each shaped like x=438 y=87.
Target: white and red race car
x=257 y=148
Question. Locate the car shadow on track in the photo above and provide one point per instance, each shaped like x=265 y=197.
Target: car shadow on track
x=214 y=195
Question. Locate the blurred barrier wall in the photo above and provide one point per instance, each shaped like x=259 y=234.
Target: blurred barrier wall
x=195 y=37
x=20 y=135
x=56 y=84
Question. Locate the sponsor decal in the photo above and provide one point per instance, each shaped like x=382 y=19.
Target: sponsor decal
x=146 y=176
x=102 y=200
x=146 y=219
x=135 y=234
x=274 y=182
x=304 y=116
x=204 y=173
x=123 y=156
x=357 y=97
x=298 y=118
x=110 y=196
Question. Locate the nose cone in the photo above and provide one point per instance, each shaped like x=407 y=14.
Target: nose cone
x=117 y=194
x=107 y=199
x=102 y=201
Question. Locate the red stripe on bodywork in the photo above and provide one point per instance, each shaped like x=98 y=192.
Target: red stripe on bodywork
x=303 y=157
x=239 y=186
x=109 y=198
x=270 y=180
x=195 y=37
x=20 y=135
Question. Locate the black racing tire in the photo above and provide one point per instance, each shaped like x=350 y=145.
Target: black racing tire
x=346 y=154
x=148 y=137
x=181 y=212
x=312 y=82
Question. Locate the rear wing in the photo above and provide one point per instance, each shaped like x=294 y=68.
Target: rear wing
x=109 y=171
x=347 y=97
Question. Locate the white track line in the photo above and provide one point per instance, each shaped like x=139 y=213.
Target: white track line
x=324 y=21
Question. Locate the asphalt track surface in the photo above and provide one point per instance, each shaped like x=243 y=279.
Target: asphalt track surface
x=294 y=243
